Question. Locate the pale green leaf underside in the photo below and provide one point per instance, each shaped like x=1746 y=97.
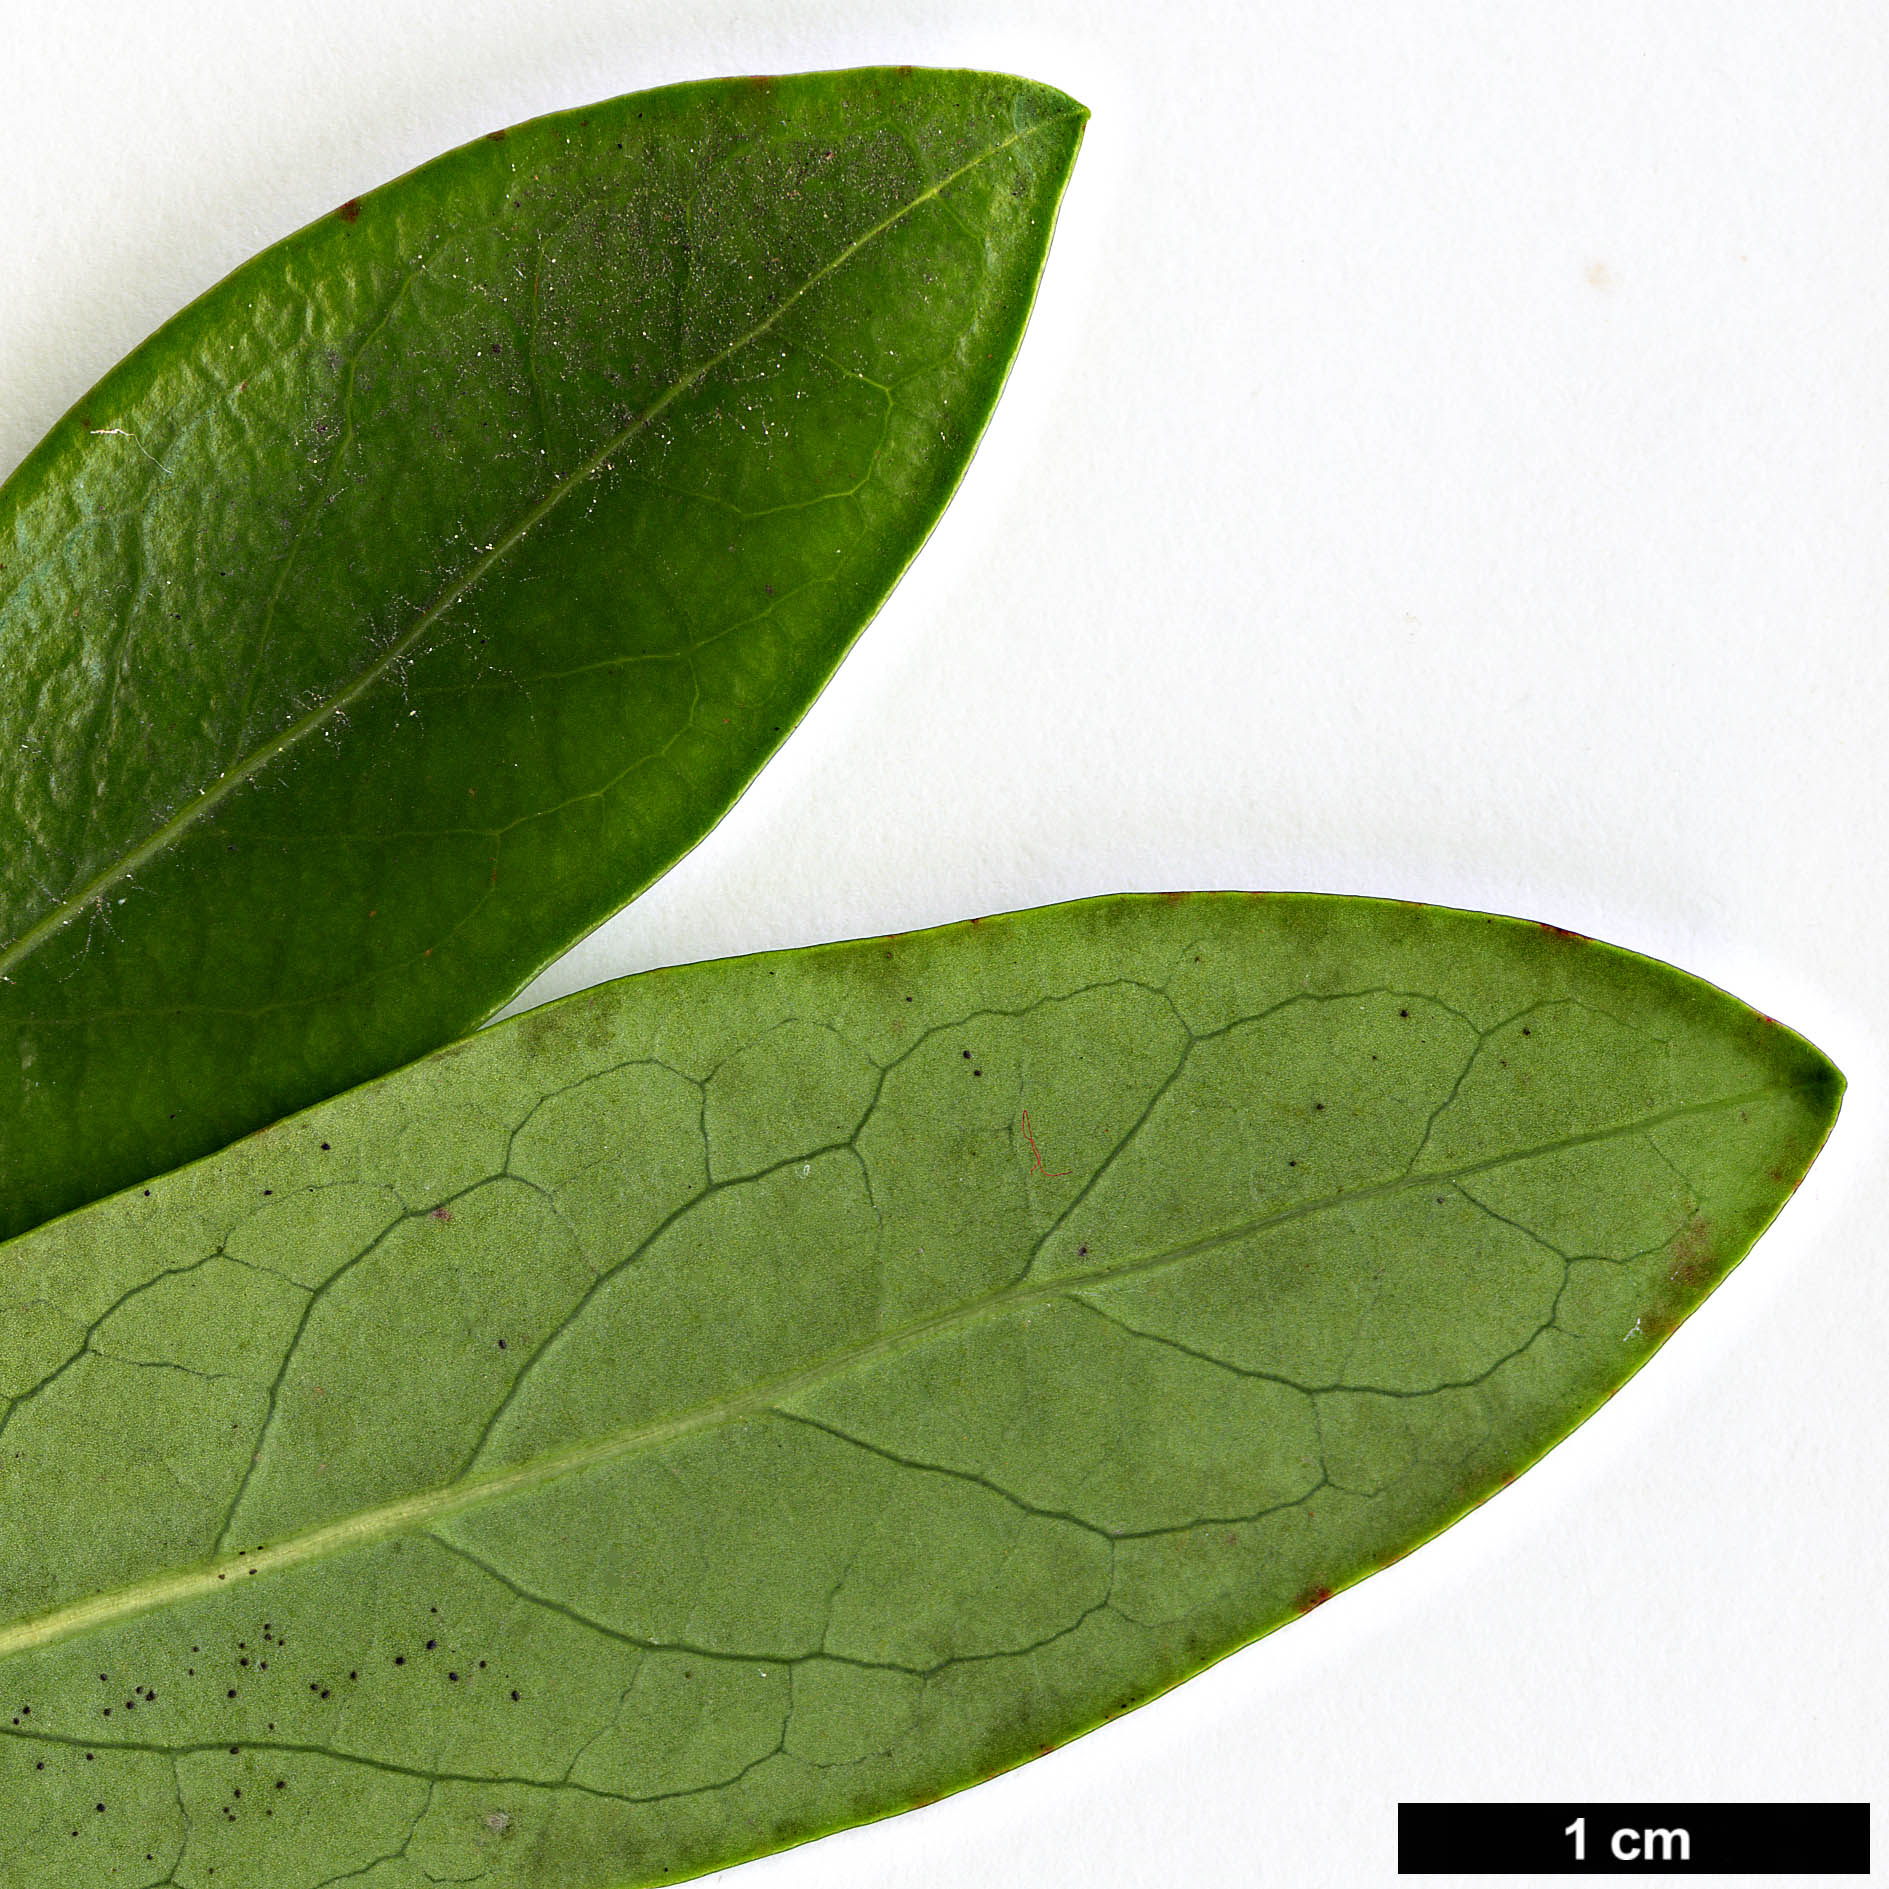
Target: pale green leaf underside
x=746 y=1399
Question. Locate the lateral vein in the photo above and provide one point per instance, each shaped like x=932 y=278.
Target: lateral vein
x=412 y=1513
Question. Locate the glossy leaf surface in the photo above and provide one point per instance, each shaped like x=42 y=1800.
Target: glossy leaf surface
x=419 y=594
x=747 y=1399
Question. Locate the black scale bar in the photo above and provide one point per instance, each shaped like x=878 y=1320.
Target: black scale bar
x=1632 y=1839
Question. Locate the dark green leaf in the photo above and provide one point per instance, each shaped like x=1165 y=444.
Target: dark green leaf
x=747 y=1399
x=418 y=595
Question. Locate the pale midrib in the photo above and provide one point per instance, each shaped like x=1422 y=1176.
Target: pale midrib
x=414 y=1512
x=317 y=718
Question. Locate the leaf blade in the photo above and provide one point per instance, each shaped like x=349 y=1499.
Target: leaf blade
x=785 y=1503
x=576 y=460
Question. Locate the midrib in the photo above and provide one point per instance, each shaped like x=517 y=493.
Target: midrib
x=411 y=1513
x=318 y=717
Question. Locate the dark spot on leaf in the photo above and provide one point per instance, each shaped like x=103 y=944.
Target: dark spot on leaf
x=495 y=137
x=350 y=211
x=1312 y=1597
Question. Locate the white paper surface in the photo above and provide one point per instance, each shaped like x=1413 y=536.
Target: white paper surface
x=1450 y=460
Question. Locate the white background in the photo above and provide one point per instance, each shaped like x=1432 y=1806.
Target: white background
x=1449 y=461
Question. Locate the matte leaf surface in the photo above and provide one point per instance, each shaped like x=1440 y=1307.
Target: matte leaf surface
x=747 y=1399
x=419 y=594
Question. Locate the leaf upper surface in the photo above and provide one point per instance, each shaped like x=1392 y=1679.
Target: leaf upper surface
x=420 y=593
x=751 y=1398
